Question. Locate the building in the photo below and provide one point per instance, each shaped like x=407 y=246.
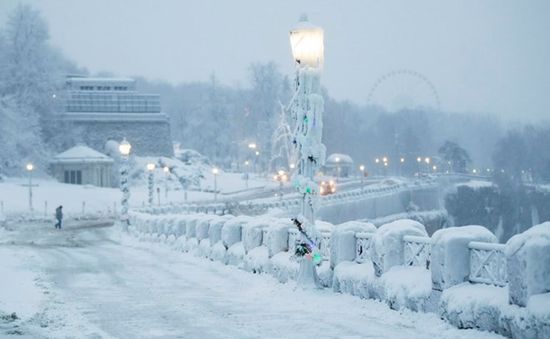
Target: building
x=339 y=165
x=106 y=109
x=82 y=165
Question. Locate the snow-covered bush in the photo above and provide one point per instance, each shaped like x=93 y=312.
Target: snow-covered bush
x=342 y=240
x=386 y=250
x=352 y=278
x=215 y=229
x=450 y=256
x=405 y=287
x=277 y=237
x=473 y=306
x=528 y=263
x=252 y=234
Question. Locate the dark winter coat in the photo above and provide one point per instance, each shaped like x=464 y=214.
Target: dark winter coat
x=58 y=213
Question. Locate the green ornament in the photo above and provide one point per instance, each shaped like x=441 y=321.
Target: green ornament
x=317 y=258
x=308 y=190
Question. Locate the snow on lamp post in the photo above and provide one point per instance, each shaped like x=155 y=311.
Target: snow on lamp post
x=307 y=107
x=246 y=174
x=124 y=148
x=166 y=170
x=30 y=168
x=150 y=182
x=362 y=170
x=215 y=172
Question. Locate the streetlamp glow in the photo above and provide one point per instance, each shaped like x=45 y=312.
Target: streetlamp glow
x=215 y=171
x=252 y=145
x=151 y=166
x=377 y=160
x=124 y=147
x=402 y=160
x=166 y=169
x=29 y=167
x=419 y=159
x=427 y=160
x=306 y=41
x=385 y=159
x=362 y=168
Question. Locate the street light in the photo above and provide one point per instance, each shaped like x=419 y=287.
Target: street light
x=281 y=177
x=166 y=170
x=246 y=175
x=362 y=170
x=307 y=45
x=30 y=168
x=124 y=148
x=337 y=159
x=215 y=171
x=150 y=183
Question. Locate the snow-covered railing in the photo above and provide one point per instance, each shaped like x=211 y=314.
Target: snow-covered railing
x=487 y=263
x=362 y=246
x=417 y=251
x=325 y=245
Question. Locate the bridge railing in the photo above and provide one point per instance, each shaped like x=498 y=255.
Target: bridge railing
x=487 y=263
x=417 y=251
x=362 y=246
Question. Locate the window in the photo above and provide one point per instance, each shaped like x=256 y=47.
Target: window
x=73 y=177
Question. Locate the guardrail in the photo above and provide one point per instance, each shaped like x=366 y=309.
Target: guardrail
x=417 y=251
x=362 y=247
x=487 y=263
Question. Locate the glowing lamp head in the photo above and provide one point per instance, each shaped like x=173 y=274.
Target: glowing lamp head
x=419 y=159
x=29 y=167
x=434 y=167
x=385 y=159
x=257 y=152
x=166 y=169
x=377 y=160
x=362 y=168
x=215 y=171
x=252 y=145
x=291 y=166
x=402 y=159
x=124 y=147
x=151 y=167
x=427 y=160
x=281 y=172
x=307 y=43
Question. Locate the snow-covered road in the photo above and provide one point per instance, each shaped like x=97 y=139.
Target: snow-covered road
x=96 y=282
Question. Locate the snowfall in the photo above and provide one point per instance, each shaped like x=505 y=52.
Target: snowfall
x=92 y=279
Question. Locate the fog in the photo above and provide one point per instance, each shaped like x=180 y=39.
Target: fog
x=481 y=57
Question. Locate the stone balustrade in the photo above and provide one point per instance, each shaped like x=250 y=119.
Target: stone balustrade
x=372 y=262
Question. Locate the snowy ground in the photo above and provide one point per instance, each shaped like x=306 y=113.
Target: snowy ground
x=14 y=196
x=87 y=281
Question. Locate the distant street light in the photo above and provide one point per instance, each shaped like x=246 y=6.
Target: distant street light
x=215 y=171
x=166 y=170
x=281 y=177
x=124 y=148
x=150 y=182
x=362 y=170
x=246 y=175
x=30 y=168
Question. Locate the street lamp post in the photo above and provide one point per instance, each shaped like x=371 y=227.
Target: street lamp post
x=30 y=168
x=281 y=177
x=337 y=159
x=215 y=171
x=362 y=170
x=307 y=114
x=150 y=182
x=124 y=148
x=246 y=175
x=166 y=170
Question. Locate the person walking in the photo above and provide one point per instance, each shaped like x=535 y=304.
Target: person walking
x=59 y=216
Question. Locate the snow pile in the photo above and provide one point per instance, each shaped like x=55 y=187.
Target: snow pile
x=352 y=278
x=284 y=267
x=342 y=240
x=528 y=261
x=257 y=260
x=450 y=254
x=386 y=250
x=253 y=232
x=277 y=237
x=231 y=238
x=474 y=306
x=405 y=287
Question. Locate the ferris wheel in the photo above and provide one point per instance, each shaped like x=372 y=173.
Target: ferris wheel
x=404 y=89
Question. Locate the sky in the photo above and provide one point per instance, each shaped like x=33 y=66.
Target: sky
x=477 y=56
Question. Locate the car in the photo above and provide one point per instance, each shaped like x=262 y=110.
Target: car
x=327 y=187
